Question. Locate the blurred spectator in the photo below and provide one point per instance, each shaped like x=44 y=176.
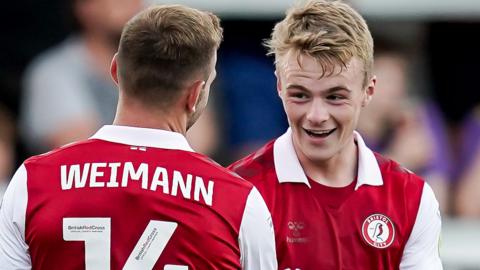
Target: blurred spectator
x=7 y=148
x=403 y=128
x=68 y=92
x=467 y=199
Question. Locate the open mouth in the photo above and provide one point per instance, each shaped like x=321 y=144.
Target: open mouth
x=319 y=133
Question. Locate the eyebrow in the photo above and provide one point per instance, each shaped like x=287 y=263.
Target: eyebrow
x=329 y=90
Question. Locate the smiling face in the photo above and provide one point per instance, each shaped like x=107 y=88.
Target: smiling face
x=322 y=111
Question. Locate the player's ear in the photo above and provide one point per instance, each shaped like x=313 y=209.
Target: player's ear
x=369 y=91
x=194 y=92
x=114 y=69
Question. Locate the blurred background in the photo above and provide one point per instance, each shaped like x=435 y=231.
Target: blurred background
x=55 y=88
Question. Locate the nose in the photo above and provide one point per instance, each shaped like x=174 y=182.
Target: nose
x=317 y=112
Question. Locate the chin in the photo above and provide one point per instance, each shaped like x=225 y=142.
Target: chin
x=319 y=158
x=318 y=155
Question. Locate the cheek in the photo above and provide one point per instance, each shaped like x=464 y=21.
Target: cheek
x=293 y=111
x=355 y=115
x=346 y=114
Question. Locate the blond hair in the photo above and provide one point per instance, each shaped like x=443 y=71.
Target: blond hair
x=164 y=47
x=330 y=31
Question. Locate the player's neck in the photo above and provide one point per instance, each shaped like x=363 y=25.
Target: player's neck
x=136 y=115
x=338 y=171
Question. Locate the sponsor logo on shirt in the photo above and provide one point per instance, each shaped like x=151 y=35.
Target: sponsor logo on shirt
x=295 y=232
x=378 y=231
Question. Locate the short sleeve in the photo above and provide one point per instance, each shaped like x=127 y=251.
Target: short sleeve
x=422 y=248
x=13 y=248
x=257 y=239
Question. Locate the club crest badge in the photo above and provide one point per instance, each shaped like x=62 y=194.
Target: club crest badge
x=378 y=231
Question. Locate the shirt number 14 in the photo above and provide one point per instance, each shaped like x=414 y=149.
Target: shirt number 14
x=95 y=232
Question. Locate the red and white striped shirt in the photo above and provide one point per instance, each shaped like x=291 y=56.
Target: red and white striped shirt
x=387 y=219
x=132 y=198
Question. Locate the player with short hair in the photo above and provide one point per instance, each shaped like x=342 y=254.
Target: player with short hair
x=335 y=204
x=135 y=195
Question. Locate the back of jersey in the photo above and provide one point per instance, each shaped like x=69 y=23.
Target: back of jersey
x=106 y=205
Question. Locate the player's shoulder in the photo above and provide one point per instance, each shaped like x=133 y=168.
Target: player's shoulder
x=256 y=163
x=63 y=151
x=396 y=173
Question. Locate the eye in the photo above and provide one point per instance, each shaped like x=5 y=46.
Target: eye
x=336 y=97
x=299 y=95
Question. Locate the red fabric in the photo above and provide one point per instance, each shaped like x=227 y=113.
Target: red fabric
x=195 y=242
x=331 y=197
x=310 y=235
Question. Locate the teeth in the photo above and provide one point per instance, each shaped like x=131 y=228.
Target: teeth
x=320 y=132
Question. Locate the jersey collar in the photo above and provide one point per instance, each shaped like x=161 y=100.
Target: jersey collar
x=289 y=169
x=146 y=137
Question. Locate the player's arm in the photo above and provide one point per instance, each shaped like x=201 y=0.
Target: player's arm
x=257 y=239
x=13 y=249
x=422 y=250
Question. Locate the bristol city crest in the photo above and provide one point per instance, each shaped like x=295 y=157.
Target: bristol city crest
x=378 y=231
